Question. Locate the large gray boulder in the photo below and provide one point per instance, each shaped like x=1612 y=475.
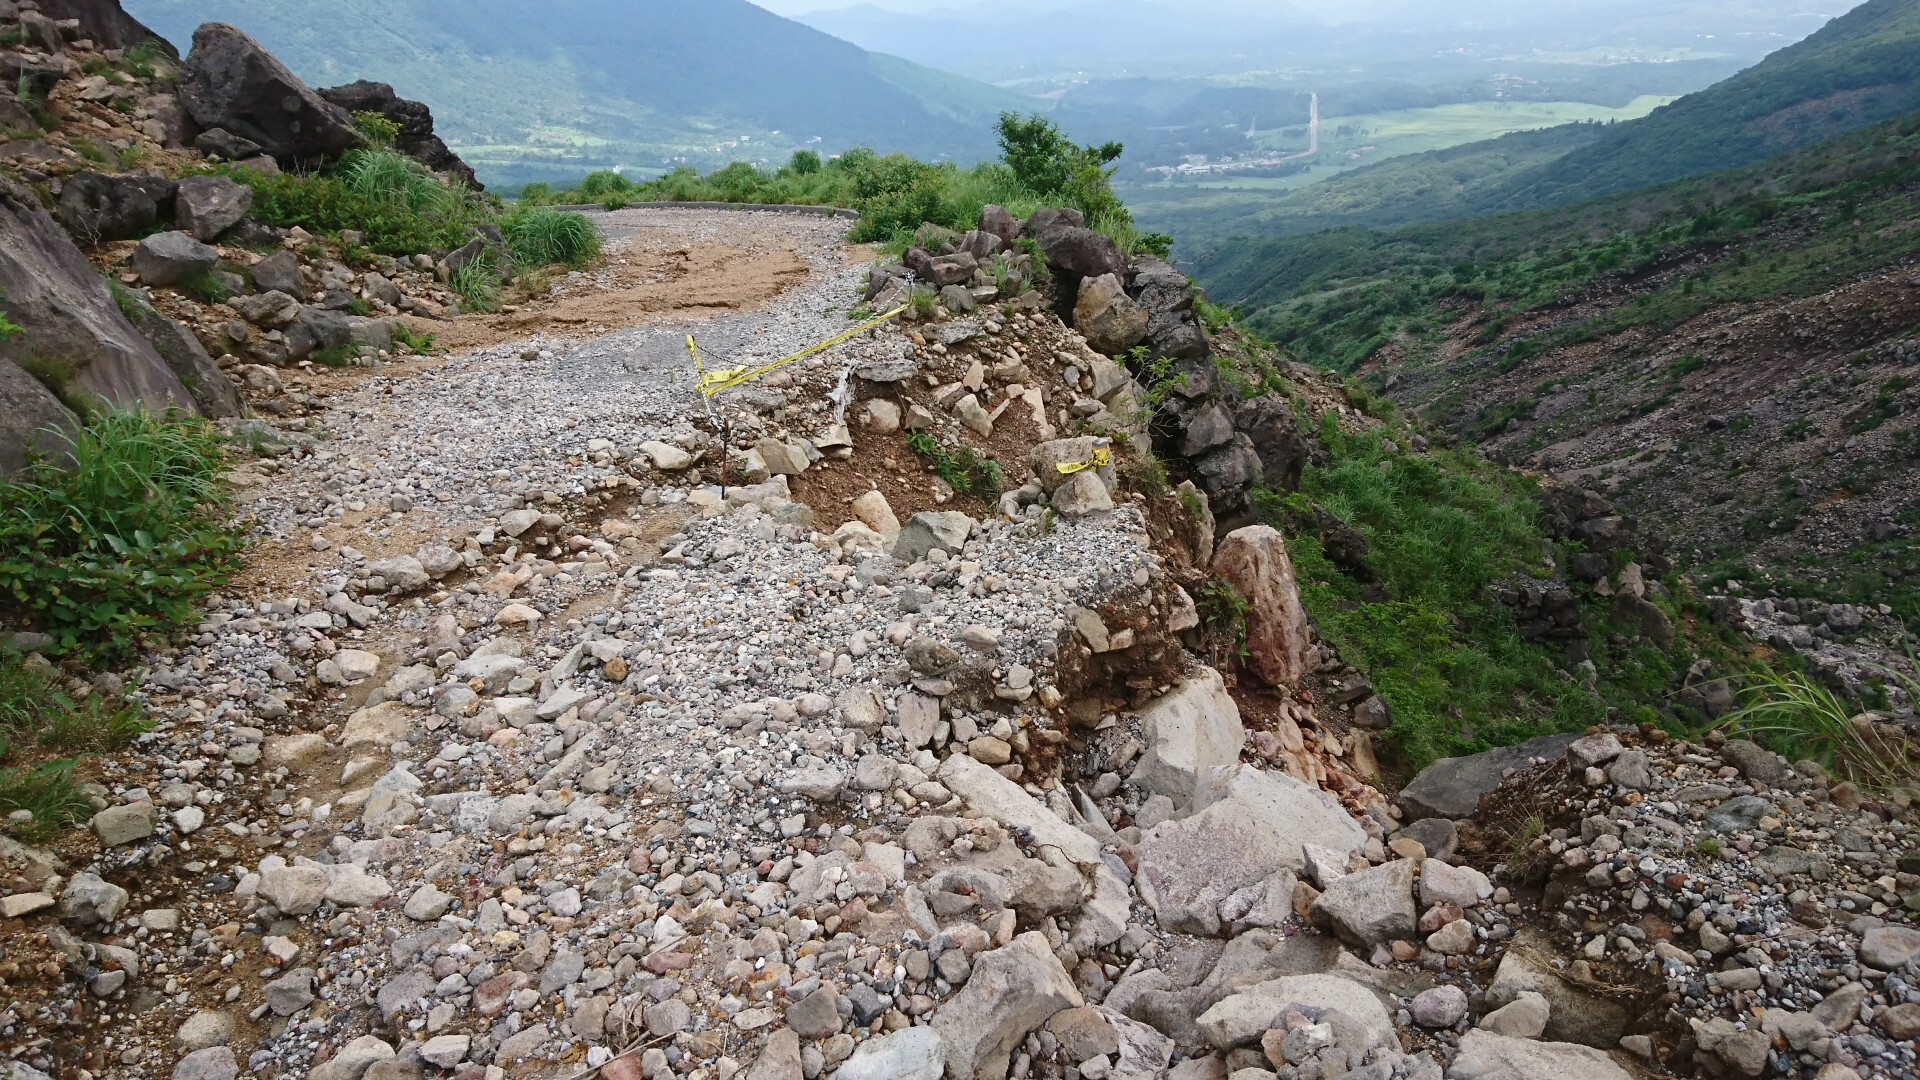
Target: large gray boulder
x=1012 y=991
x=1189 y=730
x=212 y=391
x=1487 y=1056
x=1082 y=253
x=1370 y=907
x=105 y=22
x=943 y=529
x=95 y=207
x=1243 y=1017
x=170 y=258
x=1452 y=787
x=1575 y=1015
x=317 y=329
x=279 y=272
x=32 y=420
x=1107 y=317
x=206 y=206
x=915 y=1053
x=1249 y=832
x=231 y=82
x=72 y=337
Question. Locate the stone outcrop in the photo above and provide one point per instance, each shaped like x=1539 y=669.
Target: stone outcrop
x=96 y=207
x=415 y=119
x=231 y=83
x=72 y=336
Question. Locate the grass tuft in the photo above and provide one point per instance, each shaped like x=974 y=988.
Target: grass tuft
x=119 y=538
x=1802 y=718
x=541 y=236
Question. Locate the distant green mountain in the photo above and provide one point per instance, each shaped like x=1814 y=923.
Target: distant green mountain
x=1858 y=70
x=556 y=89
x=1861 y=69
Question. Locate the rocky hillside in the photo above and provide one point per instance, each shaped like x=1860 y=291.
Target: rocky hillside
x=1726 y=359
x=1049 y=680
x=897 y=718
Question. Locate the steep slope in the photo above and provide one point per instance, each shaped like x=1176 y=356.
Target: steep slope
x=1731 y=357
x=600 y=82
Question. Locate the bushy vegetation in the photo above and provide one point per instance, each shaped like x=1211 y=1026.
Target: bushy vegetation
x=1443 y=530
x=966 y=471
x=895 y=194
x=1798 y=716
x=1793 y=227
x=1446 y=532
x=118 y=538
x=402 y=209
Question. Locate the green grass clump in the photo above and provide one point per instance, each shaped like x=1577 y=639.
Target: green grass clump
x=49 y=792
x=477 y=284
x=400 y=207
x=543 y=236
x=120 y=538
x=1803 y=719
x=35 y=712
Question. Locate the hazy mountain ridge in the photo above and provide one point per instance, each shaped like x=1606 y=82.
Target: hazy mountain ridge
x=1860 y=69
x=592 y=83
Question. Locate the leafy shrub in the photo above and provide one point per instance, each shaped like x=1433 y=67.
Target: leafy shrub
x=542 y=236
x=121 y=540
x=376 y=130
x=1051 y=166
x=601 y=184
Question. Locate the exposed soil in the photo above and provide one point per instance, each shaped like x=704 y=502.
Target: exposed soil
x=651 y=271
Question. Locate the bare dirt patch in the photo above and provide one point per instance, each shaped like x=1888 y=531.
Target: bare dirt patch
x=647 y=275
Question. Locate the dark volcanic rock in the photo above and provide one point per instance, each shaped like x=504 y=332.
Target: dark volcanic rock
x=211 y=389
x=417 y=139
x=95 y=207
x=29 y=417
x=1451 y=787
x=104 y=21
x=232 y=83
x=70 y=328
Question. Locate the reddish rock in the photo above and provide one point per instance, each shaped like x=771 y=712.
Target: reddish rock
x=1254 y=562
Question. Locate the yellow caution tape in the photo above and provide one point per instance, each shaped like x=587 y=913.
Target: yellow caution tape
x=1102 y=457
x=714 y=383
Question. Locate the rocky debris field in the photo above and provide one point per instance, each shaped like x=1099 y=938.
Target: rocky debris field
x=563 y=724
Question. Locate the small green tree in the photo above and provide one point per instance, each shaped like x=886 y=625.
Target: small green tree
x=804 y=163
x=1053 y=167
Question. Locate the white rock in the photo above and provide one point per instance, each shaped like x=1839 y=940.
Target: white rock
x=1487 y=1056
x=1193 y=728
x=1242 y=1017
